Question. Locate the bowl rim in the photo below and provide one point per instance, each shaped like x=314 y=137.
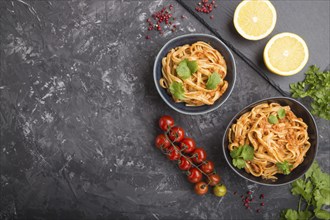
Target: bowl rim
x=212 y=107
x=224 y=148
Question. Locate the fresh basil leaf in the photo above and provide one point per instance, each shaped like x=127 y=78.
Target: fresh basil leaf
x=272 y=119
x=183 y=70
x=284 y=167
x=239 y=163
x=281 y=113
x=213 y=81
x=192 y=65
x=176 y=89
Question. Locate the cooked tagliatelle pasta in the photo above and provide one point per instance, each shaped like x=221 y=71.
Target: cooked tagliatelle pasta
x=199 y=81
x=279 y=139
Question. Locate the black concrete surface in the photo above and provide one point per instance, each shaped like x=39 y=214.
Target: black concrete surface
x=79 y=111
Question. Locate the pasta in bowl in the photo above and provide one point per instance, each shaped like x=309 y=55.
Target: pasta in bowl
x=194 y=73
x=271 y=142
x=199 y=69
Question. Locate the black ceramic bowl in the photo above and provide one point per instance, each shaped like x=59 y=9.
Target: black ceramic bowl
x=190 y=39
x=301 y=112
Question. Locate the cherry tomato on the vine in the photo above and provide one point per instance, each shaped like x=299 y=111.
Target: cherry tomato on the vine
x=184 y=163
x=207 y=167
x=201 y=188
x=162 y=142
x=220 y=190
x=194 y=175
x=166 y=122
x=176 y=134
x=187 y=145
x=213 y=179
x=199 y=155
x=173 y=153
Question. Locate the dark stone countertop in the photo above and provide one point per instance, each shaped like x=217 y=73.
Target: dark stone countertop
x=79 y=115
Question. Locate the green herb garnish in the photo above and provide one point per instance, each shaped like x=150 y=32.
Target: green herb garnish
x=213 y=81
x=183 y=70
x=281 y=113
x=316 y=85
x=239 y=163
x=284 y=167
x=272 y=119
x=186 y=68
x=314 y=191
x=193 y=66
x=176 y=89
x=242 y=154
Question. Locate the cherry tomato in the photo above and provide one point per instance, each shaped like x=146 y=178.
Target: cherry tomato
x=213 y=179
x=201 y=188
x=184 y=163
x=194 y=175
x=220 y=190
x=187 y=145
x=176 y=134
x=199 y=155
x=207 y=167
x=173 y=153
x=166 y=122
x=162 y=142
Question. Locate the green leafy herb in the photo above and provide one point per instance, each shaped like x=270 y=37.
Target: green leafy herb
x=291 y=214
x=284 y=167
x=316 y=85
x=314 y=190
x=186 y=68
x=247 y=152
x=281 y=113
x=236 y=152
x=272 y=119
x=176 y=89
x=183 y=70
x=213 y=81
x=242 y=154
x=193 y=66
x=239 y=163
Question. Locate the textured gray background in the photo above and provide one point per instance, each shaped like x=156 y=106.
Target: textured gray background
x=79 y=115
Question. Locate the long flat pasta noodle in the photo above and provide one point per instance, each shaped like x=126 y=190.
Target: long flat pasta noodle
x=209 y=60
x=272 y=143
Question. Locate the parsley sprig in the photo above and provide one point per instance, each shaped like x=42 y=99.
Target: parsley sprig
x=314 y=190
x=316 y=85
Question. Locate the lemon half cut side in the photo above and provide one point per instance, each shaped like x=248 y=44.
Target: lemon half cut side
x=286 y=54
x=255 y=19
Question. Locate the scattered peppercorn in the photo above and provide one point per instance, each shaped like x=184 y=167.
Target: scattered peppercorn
x=248 y=200
x=161 y=18
x=206 y=7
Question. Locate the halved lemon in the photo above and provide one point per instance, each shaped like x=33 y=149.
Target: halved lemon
x=255 y=19
x=286 y=54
